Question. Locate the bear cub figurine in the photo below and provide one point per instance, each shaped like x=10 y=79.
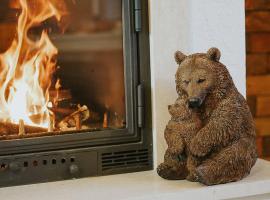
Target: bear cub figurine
x=181 y=128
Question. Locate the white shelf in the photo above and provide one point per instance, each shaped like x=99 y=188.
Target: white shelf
x=144 y=186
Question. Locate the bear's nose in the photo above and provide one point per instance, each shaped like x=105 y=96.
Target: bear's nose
x=194 y=102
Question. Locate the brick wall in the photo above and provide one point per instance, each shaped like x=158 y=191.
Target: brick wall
x=258 y=69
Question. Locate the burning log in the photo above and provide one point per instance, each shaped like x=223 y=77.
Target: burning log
x=21 y=127
x=62 y=111
x=7 y=128
x=78 y=123
x=105 y=120
x=32 y=135
x=51 y=124
x=60 y=95
x=59 y=112
x=40 y=134
x=75 y=119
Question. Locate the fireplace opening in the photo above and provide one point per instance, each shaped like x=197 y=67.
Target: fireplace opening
x=62 y=68
x=75 y=93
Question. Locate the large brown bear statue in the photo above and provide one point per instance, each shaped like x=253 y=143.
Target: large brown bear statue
x=226 y=142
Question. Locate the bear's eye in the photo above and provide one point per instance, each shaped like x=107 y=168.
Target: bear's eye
x=185 y=82
x=201 y=80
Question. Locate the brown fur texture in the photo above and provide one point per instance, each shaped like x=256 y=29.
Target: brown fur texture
x=184 y=124
x=225 y=145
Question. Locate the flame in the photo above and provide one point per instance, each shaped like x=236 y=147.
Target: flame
x=26 y=68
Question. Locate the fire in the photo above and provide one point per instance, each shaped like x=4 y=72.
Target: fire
x=26 y=68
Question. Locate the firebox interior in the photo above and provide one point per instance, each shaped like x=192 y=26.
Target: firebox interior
x=86 y=85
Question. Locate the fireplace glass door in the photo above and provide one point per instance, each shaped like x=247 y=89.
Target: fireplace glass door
x=75 y=93
x=62 y=68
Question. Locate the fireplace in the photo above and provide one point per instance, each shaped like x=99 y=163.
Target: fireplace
x=75 y=89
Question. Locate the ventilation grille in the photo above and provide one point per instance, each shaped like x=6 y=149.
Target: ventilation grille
x=125 y=159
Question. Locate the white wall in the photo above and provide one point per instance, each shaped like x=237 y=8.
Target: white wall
x=191 y=26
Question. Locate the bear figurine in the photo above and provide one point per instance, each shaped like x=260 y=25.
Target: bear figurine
x=181 y=128
x=226 y=143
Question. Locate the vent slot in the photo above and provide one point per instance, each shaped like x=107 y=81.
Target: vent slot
x=124 y=159
x=38 y=162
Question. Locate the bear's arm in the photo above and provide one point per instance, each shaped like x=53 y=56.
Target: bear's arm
x=223 y=126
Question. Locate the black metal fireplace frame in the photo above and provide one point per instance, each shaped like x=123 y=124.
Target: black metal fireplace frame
x=58 y=157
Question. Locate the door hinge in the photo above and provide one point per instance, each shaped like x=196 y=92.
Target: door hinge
x=140 y=105
x=138 y=15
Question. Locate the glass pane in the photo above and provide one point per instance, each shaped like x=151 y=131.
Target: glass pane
x=61 y=66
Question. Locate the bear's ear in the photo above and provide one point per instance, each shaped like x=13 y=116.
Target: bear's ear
x=213 y=54
x=179 y=57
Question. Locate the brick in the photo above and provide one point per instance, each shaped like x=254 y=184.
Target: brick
x=259 y=143
x=266 y=147
x=258 y=85
x=257 y=21
x=257 y=4
x=263 y=106
x=251 y=100
x=257 y=64
x=262 y=126
x=258 y=42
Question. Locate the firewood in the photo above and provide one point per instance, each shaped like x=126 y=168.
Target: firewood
x=64 y=94
x=75 y=119
x=78 y=123
x=60 y=94
x=51 y=124
x=41 y=134
x=62 y=111
x=7 y=128
x=21 y=127
x=105 y=120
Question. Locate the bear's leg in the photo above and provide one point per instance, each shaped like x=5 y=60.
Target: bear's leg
x=173 y=167
x=230 y=164
x=192 y=163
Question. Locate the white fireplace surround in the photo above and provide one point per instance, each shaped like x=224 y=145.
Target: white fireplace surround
x=190 y=26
